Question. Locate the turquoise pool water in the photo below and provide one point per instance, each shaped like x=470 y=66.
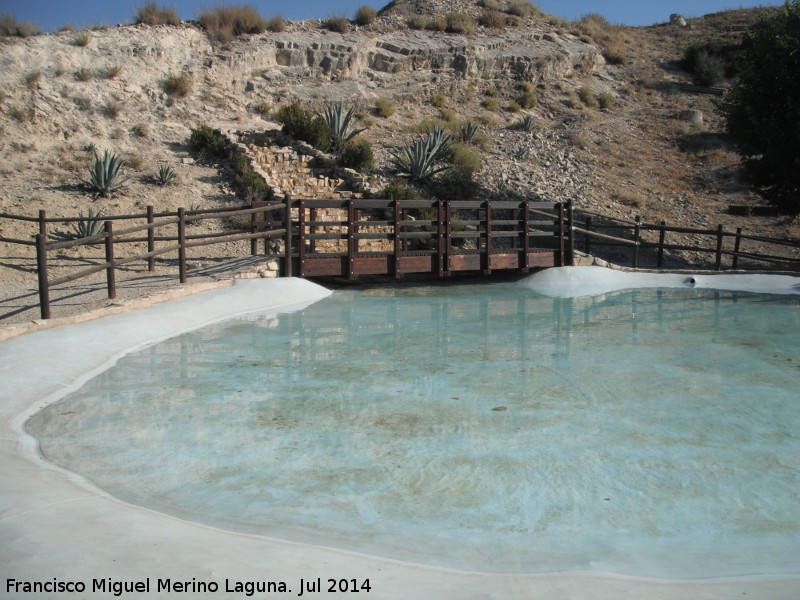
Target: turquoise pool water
x=487 y=428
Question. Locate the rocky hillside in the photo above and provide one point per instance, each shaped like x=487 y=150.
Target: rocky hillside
x=617 y=127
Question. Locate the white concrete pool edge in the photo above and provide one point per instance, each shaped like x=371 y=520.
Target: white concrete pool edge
x=54 y=525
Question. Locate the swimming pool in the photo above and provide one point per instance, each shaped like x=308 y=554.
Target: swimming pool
x=499 y=430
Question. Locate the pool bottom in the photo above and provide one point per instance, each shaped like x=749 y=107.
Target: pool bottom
x=606 y=507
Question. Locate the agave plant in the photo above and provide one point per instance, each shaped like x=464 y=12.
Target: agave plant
x=526 y=123
x=417 y=160
x=88 y=226
x=339 y=123
x=166 y=173
x=468 y=132
x=104 y=174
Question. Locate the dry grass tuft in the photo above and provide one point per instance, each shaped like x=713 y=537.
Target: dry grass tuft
x=152 y=14
x=224 y=23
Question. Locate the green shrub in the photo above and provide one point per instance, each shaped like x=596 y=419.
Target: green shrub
x=357 y=155
x=439 y=100
x=455 y=184
x=398 y=190
x=224 y=23
x=105 y=174
x=10 y=27
x=152 y=14
x=706 y=64
x=606 y=100
x=436 y=24
x=366 y=15
x=461 y=156
x=527 y=100
x=417 y=22
x=459 y=23
x=588 y=97
x=448 y=115
x=490 y=104
x=178 y=85
x=337 y=23
x=384 y=107
x=210 y=143
x=304 y=125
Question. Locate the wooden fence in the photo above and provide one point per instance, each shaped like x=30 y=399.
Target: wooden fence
x=594 y=231
x=355 y=237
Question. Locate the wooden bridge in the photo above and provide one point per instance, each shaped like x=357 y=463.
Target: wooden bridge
x=355 y=237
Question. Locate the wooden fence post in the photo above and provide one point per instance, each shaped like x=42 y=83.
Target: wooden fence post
x=287 y=245
x=41 y=270
x=43 y=223
x=561 y=248
x=571 y=233
x=253 y=241
x=587 y=239
x=487 y=259
x=111 y=281
x=662 y=232
x=182 y=244
x=151 y=238
x=737 y=244
x=301 y=238
x=397 y=241
x=718 y=261
x=351 y=240
x=637 y=236
x=526 y=240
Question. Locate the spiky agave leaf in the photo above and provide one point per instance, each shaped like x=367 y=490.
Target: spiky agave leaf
x=468 y=132
x=166 y=173
x=417 y=160
x=339 y=123
x=87 y=226
x=104 y=174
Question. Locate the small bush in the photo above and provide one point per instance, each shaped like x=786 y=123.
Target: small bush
x=81 y=39
x=417 y=22
x=493 y=19
x=357 y=155
x=304 y=125
x=522 y=8
x=209 y=142
x=384 y=107
x=152 y=14
x=490 y=104
x=21 y=113
x=448 y=116
x=436 y=24
x=135 y=161
x=178 y=85
x=224 y=23
x=439 y=100
x=706 y=66
x=141 y=130
x=337 y=23
x=455 y=184
x=113 y=71
x=84 y=74
x=492 y=92
x=588 y=97
x=276 y=24
x=366 y=15
x=614 y=55
x=459 y=23
x=263 y=108
x=10 y=27
x=398 y=190
x=605 y=100
x=32 y=79
x=112 y=108
x=462 y=156
x=527 y=100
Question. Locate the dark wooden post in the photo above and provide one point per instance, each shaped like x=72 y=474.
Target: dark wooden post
x=448 y=236
x=718 y=260
x=151 y=238
x=182 y=244
x=253 y=231
x=487 y=227
x=571 y=233
x=351 y=240
x=301 y=238
x=396 y=217
x=737 y=244
x=43 y=223
x=41 y=270
x=526 y=238
x=440 y=237
x=587 y=239
x=287 y=246
x=662 y=233
x=637 y=237
x=561 y=248
x=111 y=280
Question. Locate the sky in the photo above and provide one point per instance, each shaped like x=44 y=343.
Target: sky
x=52 y=14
